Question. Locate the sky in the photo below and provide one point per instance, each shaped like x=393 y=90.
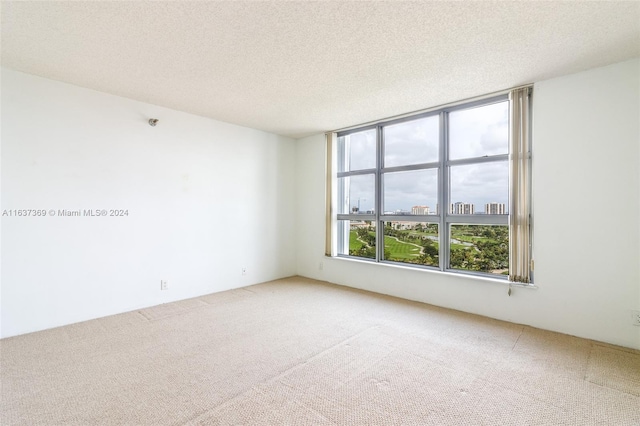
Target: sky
x=473 y=132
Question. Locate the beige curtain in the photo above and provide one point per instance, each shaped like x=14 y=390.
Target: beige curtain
x=330 y=146
x=520 y=261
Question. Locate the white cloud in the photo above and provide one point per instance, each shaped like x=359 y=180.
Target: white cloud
x=480 y=184
x=411 y=142
x=362 y=150
x=481 y=131
x=361 y=191
x=403 y=190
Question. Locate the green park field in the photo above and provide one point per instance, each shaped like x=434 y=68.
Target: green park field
x=473 y=247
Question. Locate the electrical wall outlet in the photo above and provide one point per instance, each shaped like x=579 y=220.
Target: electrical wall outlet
x=244 y=270
x=321 y=266
x=164 y=285
x=635 y=318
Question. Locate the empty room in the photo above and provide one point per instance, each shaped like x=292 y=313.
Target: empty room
x=320 y=213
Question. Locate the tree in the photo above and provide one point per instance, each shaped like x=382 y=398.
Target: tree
x=463 y=259
x=429 y=255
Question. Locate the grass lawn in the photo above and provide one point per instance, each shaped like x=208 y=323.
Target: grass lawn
x=354 y=242
x=400 y=250
x=423 y=234
x=460 y=246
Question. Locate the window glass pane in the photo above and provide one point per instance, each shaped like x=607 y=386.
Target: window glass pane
x=356 y=194
x=480 y=188
x=479 y=132
x=482 y=248
x=357 y=238
x=476 y=186
x=411 y=242
x=357 y=151
x=411 y=142
x=414 y=192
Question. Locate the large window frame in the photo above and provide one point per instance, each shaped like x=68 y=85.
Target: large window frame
x=444 y=218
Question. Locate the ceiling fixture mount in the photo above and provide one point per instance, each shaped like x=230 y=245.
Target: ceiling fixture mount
x=153 y=122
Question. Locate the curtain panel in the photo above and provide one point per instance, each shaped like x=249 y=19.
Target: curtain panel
x=520 y=260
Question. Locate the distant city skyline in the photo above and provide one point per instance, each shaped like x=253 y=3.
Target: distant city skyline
x=454 y=208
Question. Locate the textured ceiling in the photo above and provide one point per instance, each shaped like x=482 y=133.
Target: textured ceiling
x=298 y=68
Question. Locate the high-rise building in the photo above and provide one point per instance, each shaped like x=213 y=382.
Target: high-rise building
x=494 y=208
x=462 y=208
x=420 y=210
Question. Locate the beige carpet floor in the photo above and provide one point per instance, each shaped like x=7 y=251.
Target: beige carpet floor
x=300 y=352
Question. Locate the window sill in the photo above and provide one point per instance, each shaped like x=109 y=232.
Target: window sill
x=462 y=275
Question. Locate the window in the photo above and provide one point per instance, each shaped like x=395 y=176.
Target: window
x=430 y=190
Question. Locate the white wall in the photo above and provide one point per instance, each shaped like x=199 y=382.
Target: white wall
x=205 y=198
x=586 y=208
